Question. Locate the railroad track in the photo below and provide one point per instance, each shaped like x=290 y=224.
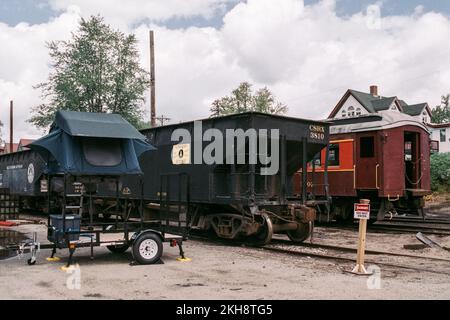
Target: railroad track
x=396 y=227
x=429 y=228
x=354 y=250
x=367 y=261
x=337 y=253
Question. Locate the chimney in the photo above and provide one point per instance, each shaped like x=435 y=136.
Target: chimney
x=374 y=91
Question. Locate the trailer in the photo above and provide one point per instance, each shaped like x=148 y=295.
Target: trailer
x=82 y=151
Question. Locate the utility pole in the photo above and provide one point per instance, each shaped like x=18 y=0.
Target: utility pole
x=162 y=119
x=11 y=126
x=152 y=80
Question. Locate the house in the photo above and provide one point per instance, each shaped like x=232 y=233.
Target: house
x=23 y=143
x=8 y=149
x=356 y=103
x=441 y=133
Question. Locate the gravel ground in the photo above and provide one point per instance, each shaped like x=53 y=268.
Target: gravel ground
x=224 y=272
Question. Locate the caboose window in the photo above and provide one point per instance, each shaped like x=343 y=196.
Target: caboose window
x=333 y=156
x=102 y=152
x=367 y=147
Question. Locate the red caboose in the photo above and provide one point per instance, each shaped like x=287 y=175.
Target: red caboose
x=384 y=158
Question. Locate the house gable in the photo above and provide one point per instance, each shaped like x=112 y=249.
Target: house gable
x=350 y=107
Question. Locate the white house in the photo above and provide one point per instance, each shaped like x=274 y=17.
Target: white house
x=356 y=103
x=441 y=133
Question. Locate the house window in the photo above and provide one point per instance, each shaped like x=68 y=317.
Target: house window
x=394 y=108
x=333 y=155
x=358 y=111
x=351 y=111
x=367 y=147
x=443 y=135
x=344 y=113
x=424 y=117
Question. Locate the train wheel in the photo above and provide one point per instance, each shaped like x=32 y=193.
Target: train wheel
x=265 y=234
x=147 y=248
x=302 y=232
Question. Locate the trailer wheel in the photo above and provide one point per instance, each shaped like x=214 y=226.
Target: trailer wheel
x=147 y=248
x=302 y=232
x=116 y=248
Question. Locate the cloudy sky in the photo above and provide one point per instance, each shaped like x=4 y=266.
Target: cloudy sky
x=307 y=52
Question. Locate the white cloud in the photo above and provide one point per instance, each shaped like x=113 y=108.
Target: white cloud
x=307 y=55
x=132 y=11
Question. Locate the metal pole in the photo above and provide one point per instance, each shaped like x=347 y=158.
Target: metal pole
x=152 y=80
x=304 y=172
x=11 y=126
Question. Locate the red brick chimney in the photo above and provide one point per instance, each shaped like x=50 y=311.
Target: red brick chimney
x=374 y=91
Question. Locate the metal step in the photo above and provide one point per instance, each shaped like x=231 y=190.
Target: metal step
x=74 y=195
x=73 y=207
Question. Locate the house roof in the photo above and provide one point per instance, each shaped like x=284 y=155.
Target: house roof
x=383 y=103
x=25 y=142
x=414 y=109
x=374 y=104
x=371 y=103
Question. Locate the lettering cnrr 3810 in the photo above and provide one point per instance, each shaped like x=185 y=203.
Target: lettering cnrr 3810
x=317 y=132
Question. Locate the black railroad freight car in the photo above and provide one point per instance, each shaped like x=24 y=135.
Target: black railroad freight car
x=234 y=200
x=20 y=175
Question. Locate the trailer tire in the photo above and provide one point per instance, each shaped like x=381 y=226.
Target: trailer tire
x=147 y=248
x=302 y=232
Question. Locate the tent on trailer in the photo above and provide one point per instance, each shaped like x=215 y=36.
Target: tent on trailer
x=83 y=143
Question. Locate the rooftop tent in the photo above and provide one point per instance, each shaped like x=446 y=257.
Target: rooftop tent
x=83 y=143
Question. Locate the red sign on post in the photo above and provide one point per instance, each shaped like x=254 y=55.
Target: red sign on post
x=362 y=211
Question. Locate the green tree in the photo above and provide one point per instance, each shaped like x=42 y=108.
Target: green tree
x=441 y=114
x=96 y=71
x=440 y=172
x=242 y=100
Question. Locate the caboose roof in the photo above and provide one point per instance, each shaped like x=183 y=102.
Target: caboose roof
x=379 y=121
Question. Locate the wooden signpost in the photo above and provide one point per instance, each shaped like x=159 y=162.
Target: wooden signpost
x=362 y=212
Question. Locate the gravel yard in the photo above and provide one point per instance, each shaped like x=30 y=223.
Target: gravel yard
x=218 y=271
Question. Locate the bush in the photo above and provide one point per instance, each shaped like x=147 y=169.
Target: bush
x=440 y=172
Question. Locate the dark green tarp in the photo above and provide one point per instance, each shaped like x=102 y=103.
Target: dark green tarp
x=83 y=143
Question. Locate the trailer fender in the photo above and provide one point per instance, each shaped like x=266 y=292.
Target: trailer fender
x=136 y=235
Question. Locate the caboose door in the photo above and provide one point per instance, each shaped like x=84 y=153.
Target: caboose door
x=367 y=169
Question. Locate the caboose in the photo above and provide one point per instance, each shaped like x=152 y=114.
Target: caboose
x=383 y=157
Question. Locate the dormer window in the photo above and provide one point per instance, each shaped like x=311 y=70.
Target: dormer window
x=351 y=111
x=344 y=113
x=358 y=111
x=394 y=108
